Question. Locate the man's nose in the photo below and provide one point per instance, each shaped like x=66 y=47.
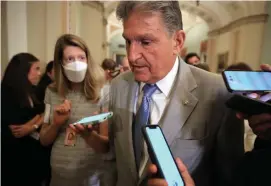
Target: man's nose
x=133 y=52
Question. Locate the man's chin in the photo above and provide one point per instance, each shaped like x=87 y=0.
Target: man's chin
x=141 y=78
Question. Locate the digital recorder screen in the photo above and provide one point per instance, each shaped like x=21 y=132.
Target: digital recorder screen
x=164 y=157
x=248 y=80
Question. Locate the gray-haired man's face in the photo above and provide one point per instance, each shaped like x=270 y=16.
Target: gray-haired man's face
x=151 y=51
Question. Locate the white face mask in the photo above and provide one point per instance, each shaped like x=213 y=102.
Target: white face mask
x=76 y=71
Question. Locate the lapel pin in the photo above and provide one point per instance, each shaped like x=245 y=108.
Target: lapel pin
x=185 y=102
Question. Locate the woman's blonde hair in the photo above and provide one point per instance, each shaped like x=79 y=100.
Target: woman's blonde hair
x=95 y=77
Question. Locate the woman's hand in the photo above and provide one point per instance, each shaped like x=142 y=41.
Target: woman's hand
x=96 y=141
x=92 y=135
x=20 y=131
x=85 y=130
x=62 y=113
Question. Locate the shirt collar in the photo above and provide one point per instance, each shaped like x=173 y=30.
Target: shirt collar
x=166 y=83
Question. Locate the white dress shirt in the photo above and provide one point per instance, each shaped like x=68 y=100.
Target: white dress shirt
x=159 y=100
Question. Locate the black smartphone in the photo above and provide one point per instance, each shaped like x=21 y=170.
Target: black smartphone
x=247 y=81
x=161 y=155
x=249 y=106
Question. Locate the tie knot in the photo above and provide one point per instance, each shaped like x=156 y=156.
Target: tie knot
x=149 y=89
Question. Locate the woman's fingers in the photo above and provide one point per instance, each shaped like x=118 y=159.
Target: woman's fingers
x=72 y=126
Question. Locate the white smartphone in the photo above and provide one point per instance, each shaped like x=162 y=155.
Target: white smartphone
x=161 y=155
x=94 y=119
x=247 y=81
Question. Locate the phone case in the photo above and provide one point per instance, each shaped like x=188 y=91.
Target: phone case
x=248 y=105
x=95 y=119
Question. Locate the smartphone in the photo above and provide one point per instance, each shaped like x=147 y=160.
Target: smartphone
x=161 y=155
x=94 y=119
x=249 y=106
x=247 y=81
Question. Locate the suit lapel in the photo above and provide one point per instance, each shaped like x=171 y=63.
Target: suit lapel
x=132 y=93
x=181 y=105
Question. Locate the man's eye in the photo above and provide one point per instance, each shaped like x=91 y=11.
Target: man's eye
x=146 y=42
x=128 y=42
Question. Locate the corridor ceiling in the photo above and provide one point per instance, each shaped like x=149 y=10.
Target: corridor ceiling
x=216 y=13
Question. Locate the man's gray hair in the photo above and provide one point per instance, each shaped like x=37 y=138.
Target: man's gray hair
x=170 y=11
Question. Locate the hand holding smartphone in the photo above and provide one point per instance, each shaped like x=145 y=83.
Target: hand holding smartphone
x=154 y=181
x=248 y=82
x=99 y=118
x=161 y=155
x=85 y=126
x=249 y=106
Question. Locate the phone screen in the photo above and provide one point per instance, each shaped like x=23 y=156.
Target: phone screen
x=95 y=118
x=164 y=157
x=248 y=80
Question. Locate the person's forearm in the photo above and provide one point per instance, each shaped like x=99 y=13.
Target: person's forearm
x=33 y=120
x=98 y=142
x=38 y=121
x=48 y=134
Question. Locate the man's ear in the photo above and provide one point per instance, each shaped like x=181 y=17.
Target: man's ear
x=179 y=38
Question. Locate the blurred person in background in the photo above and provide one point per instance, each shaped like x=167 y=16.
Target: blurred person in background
x=24 y=159
x=79 y=93
x=241 y=66
x=203 y=66
x=192 y=58
x=110 y=68
x=46 y=80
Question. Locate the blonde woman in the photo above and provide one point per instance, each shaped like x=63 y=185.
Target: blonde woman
x=78 y=94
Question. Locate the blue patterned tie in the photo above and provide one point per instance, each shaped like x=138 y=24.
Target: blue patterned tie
x=141 y=119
